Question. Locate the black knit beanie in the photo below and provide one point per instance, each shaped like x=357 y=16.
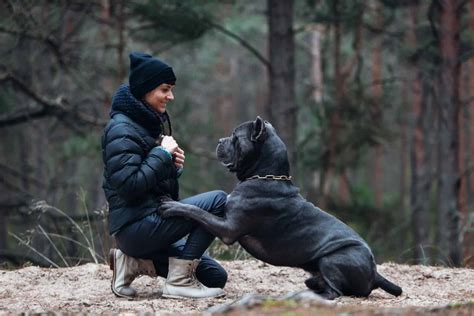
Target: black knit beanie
x=147 y=73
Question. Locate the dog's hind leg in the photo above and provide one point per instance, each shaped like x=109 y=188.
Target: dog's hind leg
x=350 y=271
x=329 y=293
x=319 y=286
x=316 y=283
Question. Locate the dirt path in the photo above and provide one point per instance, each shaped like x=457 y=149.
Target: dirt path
x=86 y=288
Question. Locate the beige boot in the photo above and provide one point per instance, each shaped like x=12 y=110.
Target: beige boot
x=182 y=283
x=126 y=269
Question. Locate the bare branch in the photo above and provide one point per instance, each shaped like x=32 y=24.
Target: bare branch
x=37 y=37
x=14 y=202
x=13 y=187
x=58 y=107
x=21 y=116
x=242 y=42
x=4 y=169
x=223 y=30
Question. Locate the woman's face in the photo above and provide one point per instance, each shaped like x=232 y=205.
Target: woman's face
x=159 y=97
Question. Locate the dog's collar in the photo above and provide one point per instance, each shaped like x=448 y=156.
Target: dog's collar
x=270 y=177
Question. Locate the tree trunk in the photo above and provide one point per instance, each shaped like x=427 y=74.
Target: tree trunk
x=377 y=93
x=420 y=187
x=316 y=71
x=467 y=213
x=449 y=106
x=404 y=153
x=225 y=107
x=108 y=82
x=3 y=230
x=281 y=108
x=105 y=16
x=463 y=142
x=121 y=42
x=316 y=34
x=334 y=119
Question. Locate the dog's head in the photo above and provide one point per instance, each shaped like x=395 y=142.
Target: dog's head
x=254 y=148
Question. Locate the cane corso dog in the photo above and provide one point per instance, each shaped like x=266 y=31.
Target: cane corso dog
x=270 y=219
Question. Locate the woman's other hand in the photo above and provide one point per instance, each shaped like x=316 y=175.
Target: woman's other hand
x=179 y=158
x=169 y=144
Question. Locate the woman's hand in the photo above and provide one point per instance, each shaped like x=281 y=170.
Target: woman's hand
x=179 y=158
x=169 y=144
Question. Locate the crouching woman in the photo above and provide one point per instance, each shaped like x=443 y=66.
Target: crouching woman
x=142 y=164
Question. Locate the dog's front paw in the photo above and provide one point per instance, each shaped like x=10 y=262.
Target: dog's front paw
x=170 y=209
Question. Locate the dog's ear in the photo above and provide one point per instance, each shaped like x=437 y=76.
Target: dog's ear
x=259 y=130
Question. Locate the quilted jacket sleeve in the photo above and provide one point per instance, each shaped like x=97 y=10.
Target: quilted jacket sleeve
x=132 y=172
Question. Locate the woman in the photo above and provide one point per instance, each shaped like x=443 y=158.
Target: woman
x=142 y=164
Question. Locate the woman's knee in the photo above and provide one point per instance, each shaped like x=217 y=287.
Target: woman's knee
x=220 y=200
x=211 y=274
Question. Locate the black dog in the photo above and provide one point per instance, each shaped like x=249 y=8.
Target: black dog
x=274 y=223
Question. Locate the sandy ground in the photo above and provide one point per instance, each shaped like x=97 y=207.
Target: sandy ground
x=86 y=288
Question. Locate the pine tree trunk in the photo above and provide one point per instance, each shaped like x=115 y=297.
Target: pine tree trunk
x=420 y=184
x=281 y=108
x=334 y=120
x=121 y=73
x=225 y=108
x=449 y=106
x=404 y=154
x=463 y=146
x=377 y=94
x=467 y=214
x=316 y=71
x=316 y=35
x=3 y=230
x=108 y=83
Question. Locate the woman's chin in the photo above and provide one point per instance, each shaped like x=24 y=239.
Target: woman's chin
x=162 y=109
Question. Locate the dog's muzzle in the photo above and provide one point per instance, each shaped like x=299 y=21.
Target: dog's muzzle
x=223 y=154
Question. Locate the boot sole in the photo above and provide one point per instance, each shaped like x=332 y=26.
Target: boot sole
x=111 y=259
x=177 y=297
x=112 y=267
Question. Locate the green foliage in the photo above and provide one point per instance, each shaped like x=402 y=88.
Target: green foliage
x=172 y=21
x=272 y=303
x=356 y=132
x=393 y=4
x=382 y=228
x=347 y=11
x=456 y=305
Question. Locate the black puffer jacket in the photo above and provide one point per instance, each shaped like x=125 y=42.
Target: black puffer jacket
x=137 y=172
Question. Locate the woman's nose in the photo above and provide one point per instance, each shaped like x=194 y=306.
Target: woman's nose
x=171 y=96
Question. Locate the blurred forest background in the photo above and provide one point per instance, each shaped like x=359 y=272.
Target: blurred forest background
x=374 y=99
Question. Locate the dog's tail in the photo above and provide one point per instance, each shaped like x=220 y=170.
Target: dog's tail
x=387 y=286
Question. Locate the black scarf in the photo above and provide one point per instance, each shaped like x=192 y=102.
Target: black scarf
x=140 y=112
